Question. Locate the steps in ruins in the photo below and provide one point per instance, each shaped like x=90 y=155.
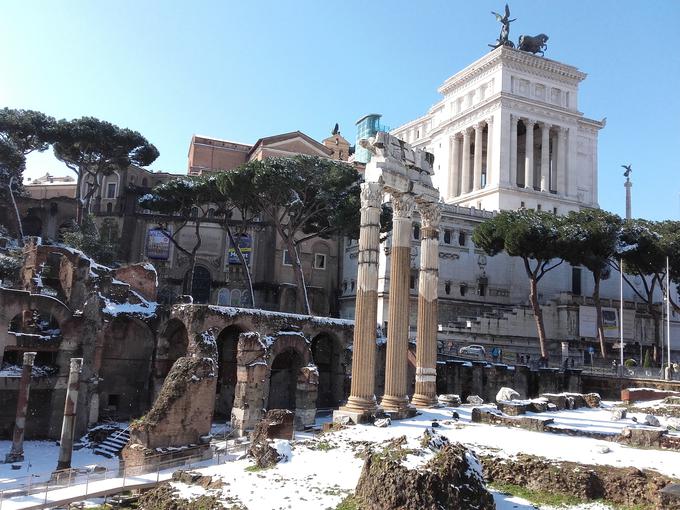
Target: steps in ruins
x=113 y=444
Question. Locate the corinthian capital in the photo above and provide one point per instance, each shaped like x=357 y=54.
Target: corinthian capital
x=371 y=194
x=402 y=205
x=430 y=214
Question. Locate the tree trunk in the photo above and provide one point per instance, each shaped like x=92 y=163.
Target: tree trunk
x=301 y=298
x=192 y=259
x=598 y=312
x=242 y=260
x=538 y=316
x=20 y=229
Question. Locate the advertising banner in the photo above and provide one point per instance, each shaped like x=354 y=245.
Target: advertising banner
x=158 y=244
x=587 y=322
x=245 y=242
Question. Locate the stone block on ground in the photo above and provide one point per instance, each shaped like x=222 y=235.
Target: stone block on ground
x=652 y=421
x=618 y=413
x=539 y=405
x=475 y=400
x=507 y=394
x=449 y=400
x=276 y=424
x=670 y=496
x=629 y=395
x=513 y=408
x=592 y=399
x=644 y=438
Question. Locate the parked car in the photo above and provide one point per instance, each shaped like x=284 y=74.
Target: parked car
x=473 y=351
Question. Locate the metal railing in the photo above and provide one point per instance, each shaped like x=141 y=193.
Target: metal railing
x=76 y=484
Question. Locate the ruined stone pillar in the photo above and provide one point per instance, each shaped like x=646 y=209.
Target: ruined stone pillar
x=428 y=283
x=529 y=154
x=70 y=408
x=477 y=172
x=362 y=394
x=545 y=156
x=396 y=398
x=16 y=454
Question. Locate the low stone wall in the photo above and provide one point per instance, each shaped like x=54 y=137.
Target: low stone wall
x=39 y=414
x=467 y=378
x=610 y=388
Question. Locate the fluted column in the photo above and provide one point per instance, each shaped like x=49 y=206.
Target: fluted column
x=454 y=175
x=16 y=454
x=513 y=150
x=477 y=173
x=68 y=427
x=529 y=154
x=362 y=392
x=428 y=284
x=465 y=177
x=396 y=398
x=545 y=156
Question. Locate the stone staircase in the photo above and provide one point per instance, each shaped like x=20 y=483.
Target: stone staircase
x=113 y=444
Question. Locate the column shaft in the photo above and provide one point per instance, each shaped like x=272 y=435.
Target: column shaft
x=454 y=189
x=362 y=392
x=70 y=409
x=428 y=284
x=16 y=454
x=529 y=155
x=477 y=174
x=545 y=157
x=465 y=177
x=489 y=160
x=396 y=398
x=561 y=161
x=513 y=150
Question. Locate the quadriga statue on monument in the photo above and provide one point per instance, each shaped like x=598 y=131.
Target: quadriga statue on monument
x=533 y=44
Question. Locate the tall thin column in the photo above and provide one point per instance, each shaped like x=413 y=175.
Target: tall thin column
x=454 y=189
x=16 y=454
x=628 y=185
x=545 y=156
x=529 y=154
x=465 y=177
x=70 y=407
x=489 y=160
x=428 y=284
x=513 y=150
x=396 y=398
x=362 y=393
x=477 y=174
x=561 y=161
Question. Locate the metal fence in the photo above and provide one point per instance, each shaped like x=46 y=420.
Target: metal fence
x=61 y=487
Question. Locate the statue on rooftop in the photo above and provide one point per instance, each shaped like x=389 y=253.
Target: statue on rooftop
x=533 y=44
x=504 y=36
x=629 y=169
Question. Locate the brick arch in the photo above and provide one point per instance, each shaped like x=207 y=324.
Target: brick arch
x=295 y=342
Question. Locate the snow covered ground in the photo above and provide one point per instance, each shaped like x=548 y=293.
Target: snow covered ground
x=323 y=469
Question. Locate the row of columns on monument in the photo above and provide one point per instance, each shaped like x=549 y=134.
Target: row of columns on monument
x=546 y=174
x=362 y=395
x=471 y=151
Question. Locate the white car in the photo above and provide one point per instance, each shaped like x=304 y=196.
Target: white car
x=473 y=350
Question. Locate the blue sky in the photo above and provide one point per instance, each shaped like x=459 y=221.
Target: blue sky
x=243 y=70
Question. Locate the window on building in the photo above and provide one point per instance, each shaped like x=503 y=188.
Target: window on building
x=194 y=212
x=447 y=288
x=211 y=213
x=111 y=190
x=521 y=205
x=462 y=238
x=113 y=401
x=287 y=260
x=353 y=285
x=555 y=211
x=319 y=261
x=109 y=208
x=447 y=237
x=576 y=281
x=463 y=289
x=416 y=231
x=481 y=288
x=145 y=182
x=412 y=282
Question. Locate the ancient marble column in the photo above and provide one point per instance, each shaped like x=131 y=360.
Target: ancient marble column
x=513 y=150
x=628 y=185
x=362 y=392
x=70 y=408
x=428 y=283
x=16 y=454
x=465 y=177
x=477 y=173
x=395 y=398
x=562 y=161
x=454 y=190
x=529 y=154
x=545 y=156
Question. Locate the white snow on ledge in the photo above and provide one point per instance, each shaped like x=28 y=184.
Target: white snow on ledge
x=231 y=311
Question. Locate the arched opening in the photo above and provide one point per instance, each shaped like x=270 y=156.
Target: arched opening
x=283 y=380
x=172 y=345
x=200 y=288
x=124 y=373
x=327 y=355
x=227 y=343
x=37 y=331
x=32 y=225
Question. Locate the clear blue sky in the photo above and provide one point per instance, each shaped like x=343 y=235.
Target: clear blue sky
x=243 y=70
